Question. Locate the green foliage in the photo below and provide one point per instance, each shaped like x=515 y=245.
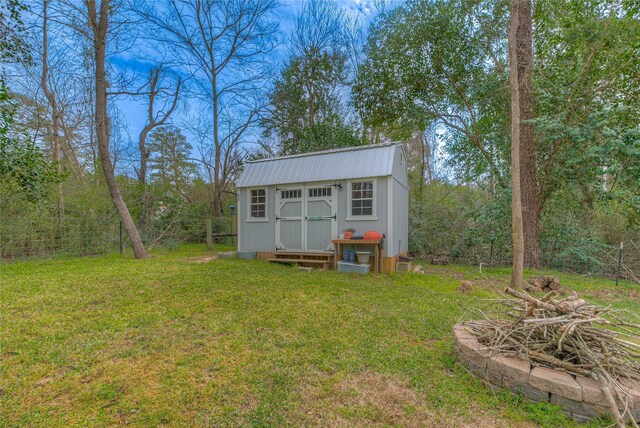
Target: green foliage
x=170 y=164
x=444 y=64
x=441 y=62
x=305 y=110
x=23 y=167
x=572 y=237
x=171 y=244
x=588 y=113
x=489 y=231
x=327 y=136
x=469 y=225
x=13 y=47
x=439 y=219
x=90 y=224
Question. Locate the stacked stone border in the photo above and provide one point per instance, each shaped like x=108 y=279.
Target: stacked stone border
x=581 y=397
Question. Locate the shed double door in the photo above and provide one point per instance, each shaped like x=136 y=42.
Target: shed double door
x=306 y=218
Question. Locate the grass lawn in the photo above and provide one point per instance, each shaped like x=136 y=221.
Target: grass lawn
x=170 y=341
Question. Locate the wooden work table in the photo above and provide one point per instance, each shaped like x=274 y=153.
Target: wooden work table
x=378 y=252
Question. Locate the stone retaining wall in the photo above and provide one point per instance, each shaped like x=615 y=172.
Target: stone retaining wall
x=581 y=397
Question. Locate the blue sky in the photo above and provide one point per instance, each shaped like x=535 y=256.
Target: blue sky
x=134 y=110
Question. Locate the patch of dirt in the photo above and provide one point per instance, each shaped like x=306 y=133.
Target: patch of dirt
x=201 y=259
x=475 y=281
x=459 y=276
x=447 y=272
x=55 y=375
x=465 y=286
x=374 y=399
x=499 y=283
x=411 y=340
x=44 y=381
x=614 y=293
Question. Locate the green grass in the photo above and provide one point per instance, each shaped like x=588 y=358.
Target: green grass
x=167 y=341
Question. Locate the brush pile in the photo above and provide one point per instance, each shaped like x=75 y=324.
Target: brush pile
x=570 y=335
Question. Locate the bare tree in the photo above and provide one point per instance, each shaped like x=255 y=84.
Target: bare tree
x=155 y=118
x=98 y=23
x=321 y=25
x=51 y=107
x=321 y=29
x=516 y=199
x=420 y=153
x=224 y=46
x=44 y=84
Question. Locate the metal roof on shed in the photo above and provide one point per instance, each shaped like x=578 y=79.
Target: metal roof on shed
x=374 y=160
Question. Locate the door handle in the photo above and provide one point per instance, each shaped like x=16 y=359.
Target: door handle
x=320 y=217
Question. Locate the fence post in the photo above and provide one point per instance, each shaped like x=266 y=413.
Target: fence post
x=207 y=223
x=121 y=246
x=619 y=263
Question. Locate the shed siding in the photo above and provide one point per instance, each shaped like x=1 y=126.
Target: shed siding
x=400 y=205
x=400 y=166
x=386 y=165
x=361 y=226
x=257 y=236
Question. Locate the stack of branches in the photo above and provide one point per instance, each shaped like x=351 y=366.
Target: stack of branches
x=569 y=335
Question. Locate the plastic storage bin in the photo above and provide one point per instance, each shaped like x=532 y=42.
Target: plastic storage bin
x=346 y=267
x=246 y=255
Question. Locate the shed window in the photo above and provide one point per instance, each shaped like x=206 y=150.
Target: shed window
x=362 y=198
x=319 y=192
x=258 y=203
x=291 y=194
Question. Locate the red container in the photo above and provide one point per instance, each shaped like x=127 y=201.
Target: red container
x=372 y=234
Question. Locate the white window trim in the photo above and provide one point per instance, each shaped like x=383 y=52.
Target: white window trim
x=374 y=202
x=264 y=219
x=316 y=198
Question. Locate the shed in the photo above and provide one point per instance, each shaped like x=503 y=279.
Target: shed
x=301 y=203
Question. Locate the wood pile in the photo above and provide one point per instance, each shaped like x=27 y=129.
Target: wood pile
x=571 y=335
x=417 y=269
x=543 y=284
x=440 y=260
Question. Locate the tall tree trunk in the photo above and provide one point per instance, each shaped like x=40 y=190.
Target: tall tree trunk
x=528 y=184
x=217 y=165
x=312 y=108
x=217 y=182
x=100 y=25
x=55 y=112
x=423 y=161
x=144 y=154
x=143 y=214
x=492 y=177
x=92 y=133
x=310 y=87
x=516 y=200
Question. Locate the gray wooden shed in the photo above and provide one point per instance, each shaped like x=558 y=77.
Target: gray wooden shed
x=301 y=203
